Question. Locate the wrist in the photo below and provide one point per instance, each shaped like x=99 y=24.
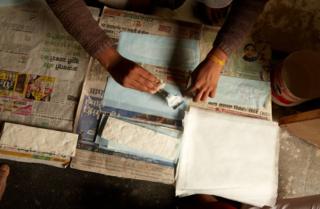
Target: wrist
x=108 y=57
x=218 y=53
x=217 y=57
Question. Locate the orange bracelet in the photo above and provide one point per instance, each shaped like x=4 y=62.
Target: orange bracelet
x=217 y=60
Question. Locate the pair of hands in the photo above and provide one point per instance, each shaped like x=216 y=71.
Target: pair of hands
x=127 y=73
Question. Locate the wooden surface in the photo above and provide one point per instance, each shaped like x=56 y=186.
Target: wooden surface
x=300 y=117
x=304 y=125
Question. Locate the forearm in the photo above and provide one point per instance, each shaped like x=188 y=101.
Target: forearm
x=238 y=25
x=78 y=21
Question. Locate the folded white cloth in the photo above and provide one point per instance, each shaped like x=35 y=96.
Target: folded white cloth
x=229 y=156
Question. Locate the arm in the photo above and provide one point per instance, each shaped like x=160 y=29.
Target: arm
x=78 y=21
x=243 y=15
x=239 y=23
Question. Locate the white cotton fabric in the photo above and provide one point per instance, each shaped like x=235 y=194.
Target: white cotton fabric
x=229 y=156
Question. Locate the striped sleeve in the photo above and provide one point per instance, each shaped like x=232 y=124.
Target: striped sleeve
x=78 y=21
x=242 y=17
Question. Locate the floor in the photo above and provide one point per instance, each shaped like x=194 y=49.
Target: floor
x=299 y=161
x=33 y=186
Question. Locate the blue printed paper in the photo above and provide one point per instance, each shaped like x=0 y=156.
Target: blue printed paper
x=160 y=50
x=242 y=92
x=136 y=101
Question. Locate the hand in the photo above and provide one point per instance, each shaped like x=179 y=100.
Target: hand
x=206 y=76
x=131 y=75
x=128 y=73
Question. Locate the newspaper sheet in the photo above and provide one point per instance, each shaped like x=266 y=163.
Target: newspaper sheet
x=28 y=156
x=42 y=68
x=116 y=165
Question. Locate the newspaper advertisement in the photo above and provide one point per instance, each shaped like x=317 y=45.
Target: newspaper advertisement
x=42 y=67
x=115 y=165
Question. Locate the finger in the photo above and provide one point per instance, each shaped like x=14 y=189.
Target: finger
x=141 y=87
x=187 y=92
x=205 y=96
x=199 y=95
x=194 y=87
x=149 y=76
x=148 y=84
x=213 y=92
x=133 y=85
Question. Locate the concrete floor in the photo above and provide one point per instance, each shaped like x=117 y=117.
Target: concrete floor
x=34 y=186
x=299 y=161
